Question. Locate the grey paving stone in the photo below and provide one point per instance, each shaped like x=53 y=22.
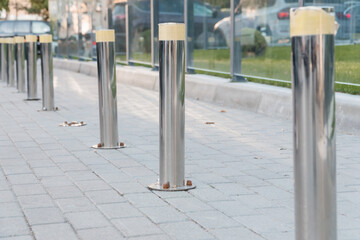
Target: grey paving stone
x=236 y=233
x=28 y=189
x=84 y=220
x=145 y=200
x=22 y=179
x=138 y=226
x=213 y=219
x=14 y=226
x=35 y=201
x=152 y=237
x=92 y=185
x=163 y=214
x=27 y=237
x=64 y=192
x=37 y=216
x=130 y=187
x=57 y=181
x=105 y=196
x=82 y=175
x=185 y=230
x=106 y=233
x=188 y=204
x=48 y=172
x=58 y=231
x=81 y=204
x=6 y=196
x=10 y=209
x=119 y=210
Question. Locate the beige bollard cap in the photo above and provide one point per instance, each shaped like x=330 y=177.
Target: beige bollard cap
x=305 y=21
x=19 y=39
x=31 y=38
x=10 y=40
x=171 y=31
x=47 y=38
x=107 y=35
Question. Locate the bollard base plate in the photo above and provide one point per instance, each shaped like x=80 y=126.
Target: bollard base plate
x=55 y=109
x=121 y=145
x=32 y=99
x=158 y=187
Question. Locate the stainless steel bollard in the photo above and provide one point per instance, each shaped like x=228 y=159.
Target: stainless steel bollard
x=312 y=32
x=11 y=62
x=105 y=46
x=31 y=65
x=47 y=77
x=4 y=60
x=172 y=108
x=20 y=63
x=1 y=59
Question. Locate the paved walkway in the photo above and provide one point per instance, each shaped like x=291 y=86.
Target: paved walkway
x=54 y=186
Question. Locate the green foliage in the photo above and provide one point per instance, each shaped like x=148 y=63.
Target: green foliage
x=4 y=4
x=40 y=7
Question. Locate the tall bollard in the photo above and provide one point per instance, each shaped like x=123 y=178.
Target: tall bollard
x=312 y=32
x=11 y=61
x=105 y=46
x=4 y=60
x=1 y=46
x=31 y=59
x=172 y=108
x=20 y=63
x=47 y=77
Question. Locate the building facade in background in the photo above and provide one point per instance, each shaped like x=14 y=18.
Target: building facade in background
x=17 y=12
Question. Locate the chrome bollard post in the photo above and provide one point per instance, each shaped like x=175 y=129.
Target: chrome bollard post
x=31 y=64
x=20 y=63
x=47 y=76
x=4 y=60
x=105 y=46
x=312 y=32
x=1 y=59
x=10 y=62
x=172 y=108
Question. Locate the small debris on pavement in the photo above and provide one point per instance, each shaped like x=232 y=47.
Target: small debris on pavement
x=223 y=111
x=72 y=124
x=210 y=123
x=188 y=183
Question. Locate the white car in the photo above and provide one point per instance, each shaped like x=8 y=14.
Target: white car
x=270 y=18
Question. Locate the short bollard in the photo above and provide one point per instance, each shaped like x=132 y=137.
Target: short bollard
x=172 y=109
x=1 y=61
x=31 y=59
x=105 y=46
x=312 y=32
x=4 y=60
x=20 y=63
x=47 y=77
x=10 y=62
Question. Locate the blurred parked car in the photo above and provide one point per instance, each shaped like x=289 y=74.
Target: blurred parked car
x=169 y=11
x=272 y=19
x=11 y=28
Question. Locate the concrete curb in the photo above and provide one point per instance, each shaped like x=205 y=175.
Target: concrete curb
x=261 y=98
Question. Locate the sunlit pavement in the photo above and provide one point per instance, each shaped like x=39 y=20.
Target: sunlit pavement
x=54 y=186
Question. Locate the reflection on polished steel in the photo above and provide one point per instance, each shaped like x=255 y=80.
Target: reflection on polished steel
x=105 y=47
x=11 y=61
x=31 y=68
x=47 y=77
x=20 y=63
x=314 y=136
x=172 y=116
